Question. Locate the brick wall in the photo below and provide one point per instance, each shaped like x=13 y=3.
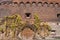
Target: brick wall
x=47 y=11
x=38 y=0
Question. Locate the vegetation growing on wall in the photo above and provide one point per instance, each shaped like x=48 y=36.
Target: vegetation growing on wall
x=12 y=23
x=43 y=29
x=15 y=25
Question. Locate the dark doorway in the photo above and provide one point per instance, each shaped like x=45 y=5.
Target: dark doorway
x=58 y=15
x=27 y=14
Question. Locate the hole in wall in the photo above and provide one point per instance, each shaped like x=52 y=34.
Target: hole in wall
x=58 y=15
x=27 y=14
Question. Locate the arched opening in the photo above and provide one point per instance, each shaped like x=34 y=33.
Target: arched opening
x=39 y=4
x=34 y=4
x=28 y=15
x=21 y=3
x=45 y=4
x=31 y=27
x=27 y=2
x=15 y=3
x=51 y=4
x=56 y=4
